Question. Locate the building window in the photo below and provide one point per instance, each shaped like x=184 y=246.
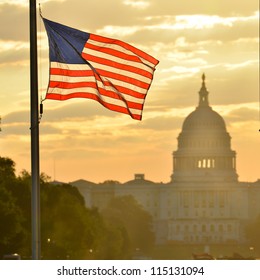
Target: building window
x=204 y=199
x=196 y=199
x=220 y=228
x=186 y=200
x=221 y=200
x=211 y=200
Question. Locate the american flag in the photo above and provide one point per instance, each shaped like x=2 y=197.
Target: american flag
x=110 y=71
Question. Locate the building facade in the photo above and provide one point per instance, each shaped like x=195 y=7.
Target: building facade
x=204 y=203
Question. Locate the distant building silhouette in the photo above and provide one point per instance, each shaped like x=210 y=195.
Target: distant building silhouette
x=204 y=203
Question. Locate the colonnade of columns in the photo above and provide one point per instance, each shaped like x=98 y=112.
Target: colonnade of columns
x=193 y=163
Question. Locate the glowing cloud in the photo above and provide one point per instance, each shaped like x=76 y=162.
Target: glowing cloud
x=137 y=4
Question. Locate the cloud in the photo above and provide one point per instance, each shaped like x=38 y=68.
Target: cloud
x=15 y=57
x=223 y=88
x=219 y=7
x=243 y=114
x=16 y=18
x=24 y=129
x=62 y=121
x=74 y=110
x=17 y=117
x=195 y=28
x=140 y=27
x=93 y=15
x=137 y=4
x=162 y=123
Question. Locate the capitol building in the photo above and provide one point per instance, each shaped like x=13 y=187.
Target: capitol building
x=204 y=203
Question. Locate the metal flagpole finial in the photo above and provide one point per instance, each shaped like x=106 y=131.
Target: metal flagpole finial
x=40 y=9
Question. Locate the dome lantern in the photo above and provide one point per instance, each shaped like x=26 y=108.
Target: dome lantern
x=203 y=93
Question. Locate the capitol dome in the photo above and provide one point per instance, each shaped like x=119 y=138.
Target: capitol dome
x=204 y=146
x=204 y=119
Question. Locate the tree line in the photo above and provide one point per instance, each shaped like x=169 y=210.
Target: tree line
x=69 y=230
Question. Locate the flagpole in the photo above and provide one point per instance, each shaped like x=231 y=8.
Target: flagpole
x=35 y=159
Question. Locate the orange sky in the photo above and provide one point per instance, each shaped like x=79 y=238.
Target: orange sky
x=81 y=139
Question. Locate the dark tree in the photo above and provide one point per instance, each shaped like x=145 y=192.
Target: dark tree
x=132 y=223
x=69 y=229
x=7 y=170
x=10 y=214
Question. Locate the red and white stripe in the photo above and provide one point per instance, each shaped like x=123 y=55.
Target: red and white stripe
x=116 y=74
